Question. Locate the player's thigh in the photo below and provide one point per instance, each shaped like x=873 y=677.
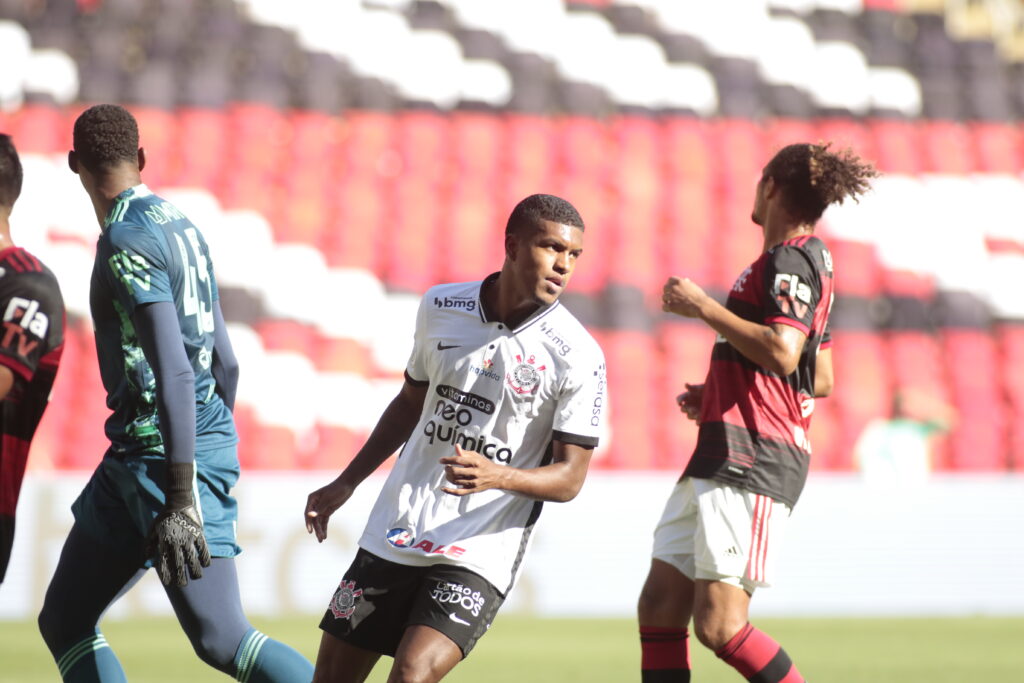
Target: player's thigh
x=425 y=655
x=341 y=662
x=738 y=535
x=455 y=602
x=676 y=532
x=209 y=610
x=666 y=598
x=90 y=575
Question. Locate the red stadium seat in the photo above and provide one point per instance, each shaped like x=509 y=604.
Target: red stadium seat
x=287 y=335
x=857 y=270
x=684 y=353
x=585 y=148
x=897 y=144
x=847 y=134
x=478 y=142
x=529 y=158
x=424 y=145
x=781 y=132
x=40 y=129
x=354 y=235
x=158 y=135
x=203 y=152
x=369 y=145
x=948 y=147
x=412 y=251
x=690 y=236
x=338 y=354
x=315 y=142
x=632 y=366
x=830 y=451
x=1000 y=147
x=472 y=231
x=863 y=380
x=688 y=152
x=740 y=159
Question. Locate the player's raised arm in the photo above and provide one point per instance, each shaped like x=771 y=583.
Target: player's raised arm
x=393 y=429
x=559 y=481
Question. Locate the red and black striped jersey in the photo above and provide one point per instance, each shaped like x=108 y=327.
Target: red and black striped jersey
x=753 y=428
x=31 y=342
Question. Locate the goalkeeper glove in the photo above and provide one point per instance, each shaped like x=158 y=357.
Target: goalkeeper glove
x=176 y=539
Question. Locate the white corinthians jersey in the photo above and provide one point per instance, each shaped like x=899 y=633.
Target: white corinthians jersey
x=503 y=393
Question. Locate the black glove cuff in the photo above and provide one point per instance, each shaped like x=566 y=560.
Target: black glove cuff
x=178 y=488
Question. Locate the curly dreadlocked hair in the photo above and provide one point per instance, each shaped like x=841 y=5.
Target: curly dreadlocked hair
x=105 y=135
x=814 y=176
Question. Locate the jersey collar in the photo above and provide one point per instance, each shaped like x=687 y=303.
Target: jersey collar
x=121 y=202
x=488 y=316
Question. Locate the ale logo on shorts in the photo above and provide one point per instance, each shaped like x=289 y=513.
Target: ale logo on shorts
x=450 y=593
x=343 y=604
x=400 y=538
x=525 y=377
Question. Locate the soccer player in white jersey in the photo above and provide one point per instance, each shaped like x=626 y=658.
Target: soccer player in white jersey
x=500 y=411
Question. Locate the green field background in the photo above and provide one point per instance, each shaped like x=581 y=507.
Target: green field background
x=532 y=650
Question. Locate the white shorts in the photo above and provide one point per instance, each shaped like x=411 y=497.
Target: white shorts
x=719 y=532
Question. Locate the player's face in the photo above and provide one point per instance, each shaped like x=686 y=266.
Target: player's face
x=757 y=213
x=545 y=260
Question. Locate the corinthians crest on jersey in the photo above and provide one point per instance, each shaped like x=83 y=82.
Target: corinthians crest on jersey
x=525 y=376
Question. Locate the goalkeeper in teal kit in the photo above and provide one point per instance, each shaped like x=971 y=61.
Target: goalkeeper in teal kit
x=161 y=496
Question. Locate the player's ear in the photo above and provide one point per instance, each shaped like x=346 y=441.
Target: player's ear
x=73 y=161
x=142 y=158
x=511 y=245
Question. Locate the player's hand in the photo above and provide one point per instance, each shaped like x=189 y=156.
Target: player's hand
x=689 y=401
x=683 y=297
x=322 y=503
x=471 y=472
x=176 y=543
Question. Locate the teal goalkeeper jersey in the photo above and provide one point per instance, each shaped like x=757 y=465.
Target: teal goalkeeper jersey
x=149 y=252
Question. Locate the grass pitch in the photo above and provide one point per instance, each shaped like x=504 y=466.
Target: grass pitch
x=530 y=650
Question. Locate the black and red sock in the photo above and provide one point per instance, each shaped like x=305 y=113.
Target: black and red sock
x=665 y=655
x=758 y=658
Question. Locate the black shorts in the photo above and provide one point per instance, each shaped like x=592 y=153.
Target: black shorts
x=377 y=600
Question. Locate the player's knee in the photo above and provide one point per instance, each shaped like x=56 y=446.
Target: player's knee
x=716 y=630
x=215 y=651
x=59 y=630
x=407 y=672
x=662 y=602
x=49 y=626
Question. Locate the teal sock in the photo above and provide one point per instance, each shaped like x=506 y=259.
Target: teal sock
x=90 y=660
x=263 y=660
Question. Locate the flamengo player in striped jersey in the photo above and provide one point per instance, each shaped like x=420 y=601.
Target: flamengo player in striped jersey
x=31 y=342
x=722 y=524
x=500 y=410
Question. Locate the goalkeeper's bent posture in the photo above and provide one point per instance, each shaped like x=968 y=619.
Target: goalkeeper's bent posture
x=161 y=496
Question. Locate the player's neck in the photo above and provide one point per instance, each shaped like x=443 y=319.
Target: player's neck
x=504 y=305
x=5 y=230
x=109 y=186
x=775 y=233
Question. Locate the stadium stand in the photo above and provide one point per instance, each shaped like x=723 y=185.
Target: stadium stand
x=374 y=148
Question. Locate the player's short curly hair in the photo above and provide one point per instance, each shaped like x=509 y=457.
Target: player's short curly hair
x=542 y=207
x=814 y=176
x=106 y=135
x=10 y=172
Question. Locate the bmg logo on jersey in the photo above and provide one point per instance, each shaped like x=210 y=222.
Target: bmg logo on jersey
x=451 y=593
x=466 y=303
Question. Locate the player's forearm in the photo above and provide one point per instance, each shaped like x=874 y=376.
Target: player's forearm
x=758 y=343
x=557 y=483
x=392 y=430
x=157 y=328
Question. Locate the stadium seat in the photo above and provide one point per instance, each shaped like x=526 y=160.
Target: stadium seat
x=897 y=146
x=1000 y=147
x=684 y=353
x=632 y=368
x=948 y=147
x=473 y=230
